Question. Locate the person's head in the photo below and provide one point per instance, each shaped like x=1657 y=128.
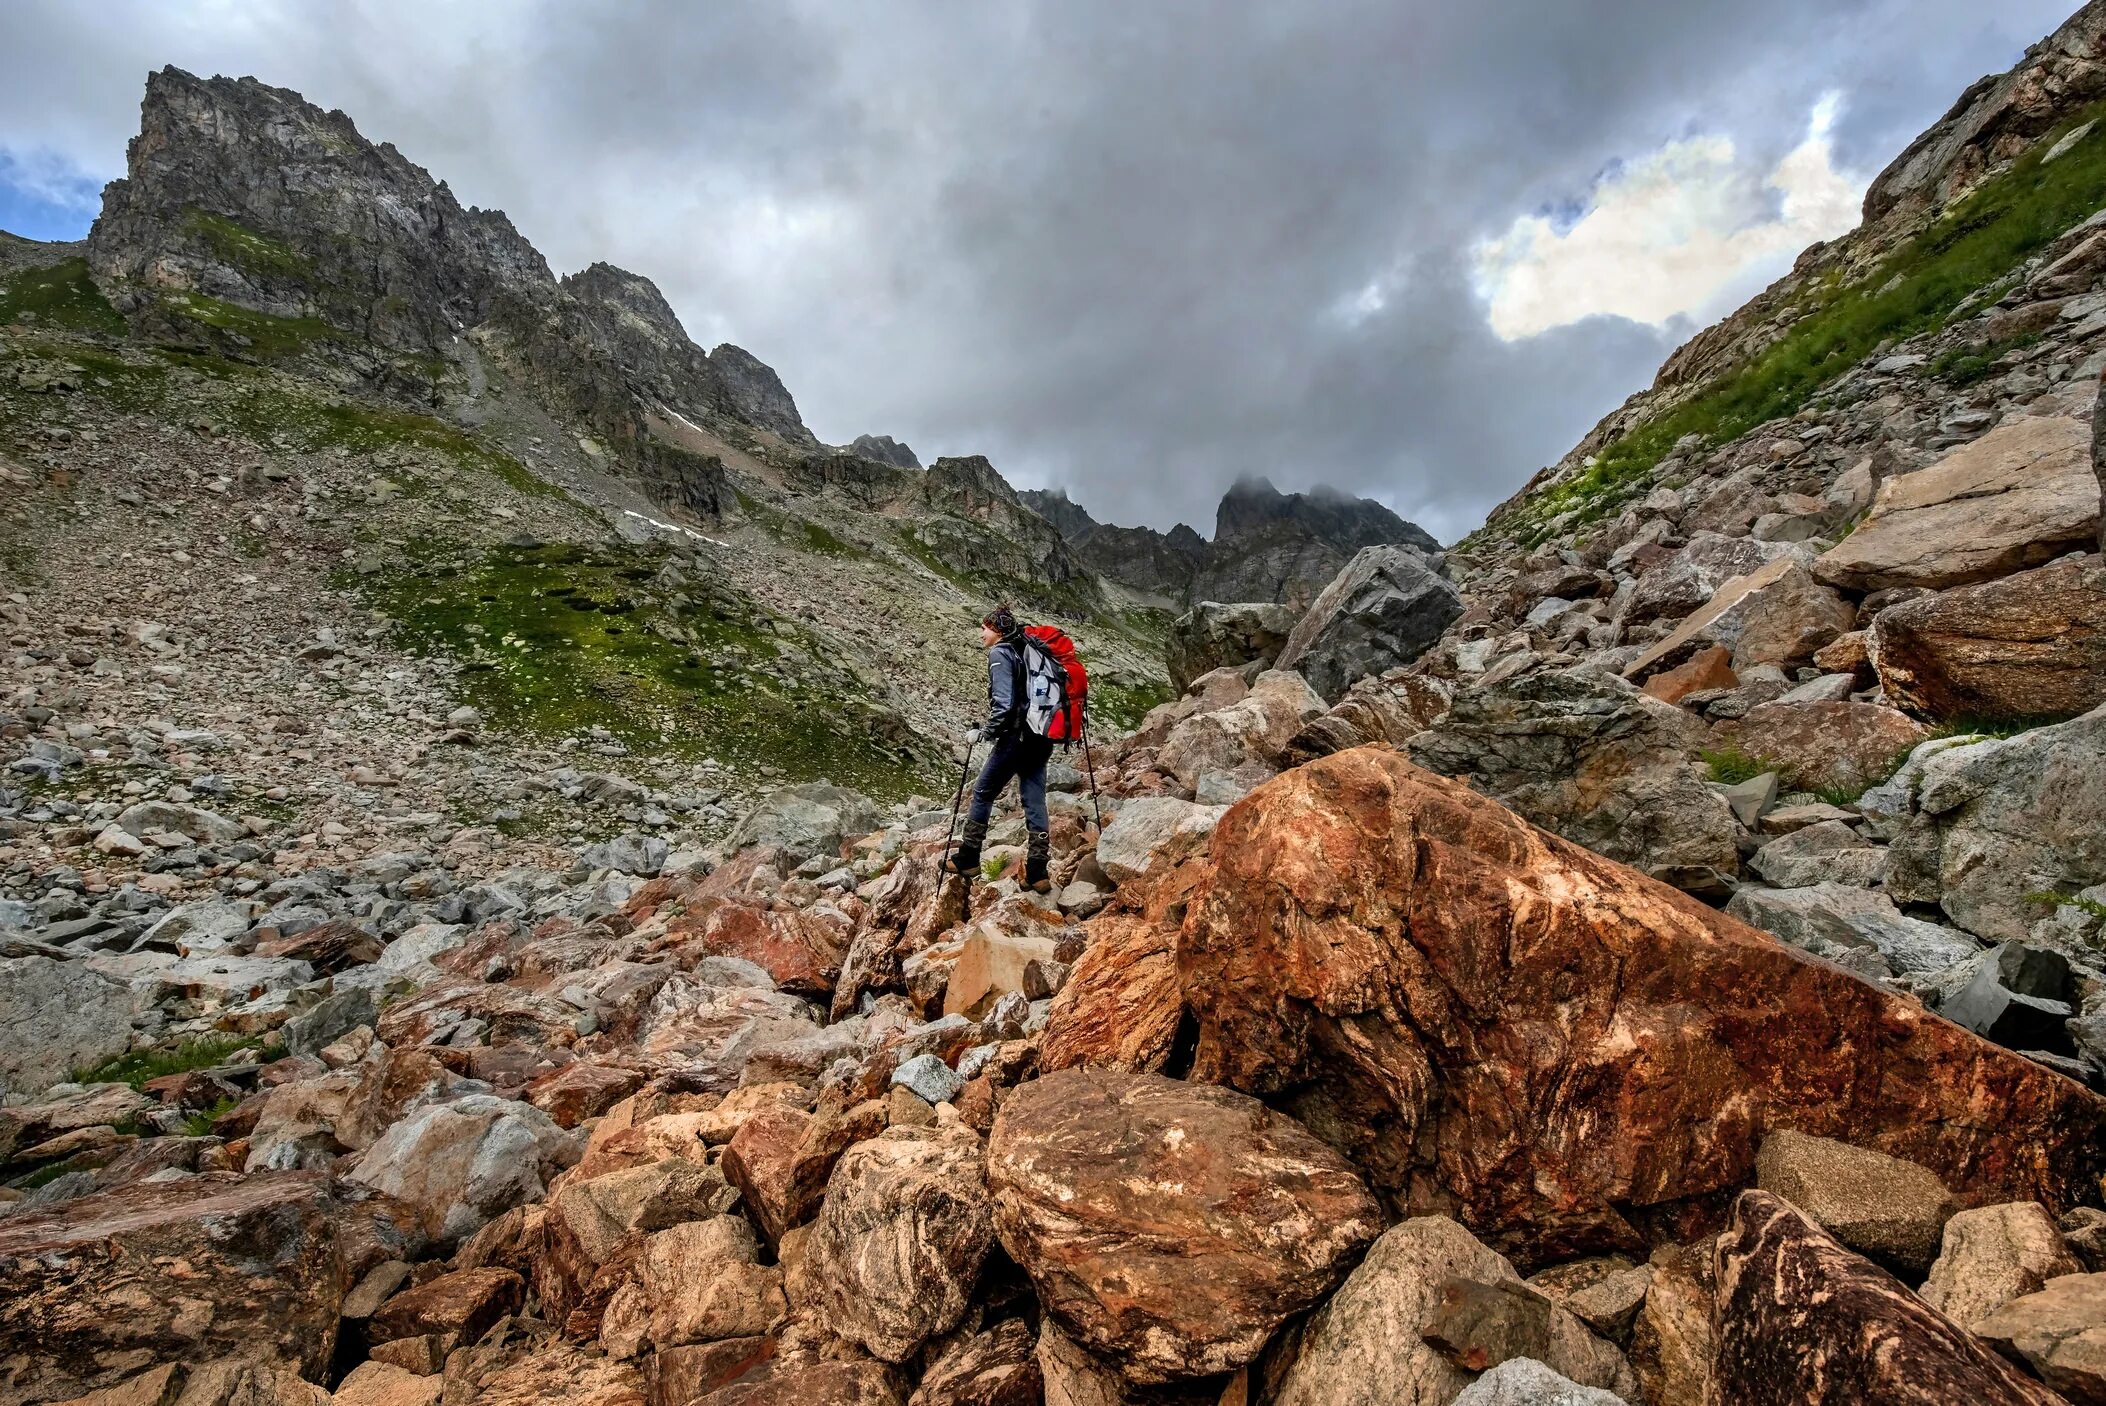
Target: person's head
x=995 y=626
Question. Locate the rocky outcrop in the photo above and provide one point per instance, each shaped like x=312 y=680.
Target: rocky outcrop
x=884 y=449
x=1997 y=116
x=2027 y=646
x=1557 y=1111
x=252 y=223
x=2020 y=495
x=1587 y=755
x=1264 y=1223
x=1273 y=546
x=1802 y=1319
x=1384 y=608
x=1212 y=636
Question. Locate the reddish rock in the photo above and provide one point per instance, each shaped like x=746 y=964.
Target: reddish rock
x=572 y=1094
x=1480 y=1012
x=1827 y=744
x=1801 y=1319
x=815 y=1384
x=801 y=950
x=995 y=1368
x=1846 y=654
x=509 y=1015
x=1122 y=1002
x=187 y=1271
x=1707 y=668
x=2028 y=646
x=329 y=947
x=461 y=1306
x=781 y=1157
x=674 y=1376
x=1170 y=1227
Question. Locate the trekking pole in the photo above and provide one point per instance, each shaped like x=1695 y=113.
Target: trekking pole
x=1091 y=769
x=964 y=775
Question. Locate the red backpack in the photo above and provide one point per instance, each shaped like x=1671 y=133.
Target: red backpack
x=1056 y=686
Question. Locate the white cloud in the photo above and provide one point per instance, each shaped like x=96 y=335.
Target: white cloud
x=1689 y=230
x=50 y=178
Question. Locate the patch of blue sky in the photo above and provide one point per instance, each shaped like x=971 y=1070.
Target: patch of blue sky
x=43 y=196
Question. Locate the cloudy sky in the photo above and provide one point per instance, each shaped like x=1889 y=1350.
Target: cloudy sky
x=1412 y=248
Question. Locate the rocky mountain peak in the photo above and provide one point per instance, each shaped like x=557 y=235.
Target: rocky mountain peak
x=1252 y=505
x=884 y=449
x=754 y=393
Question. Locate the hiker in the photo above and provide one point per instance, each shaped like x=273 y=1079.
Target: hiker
x=1019 y=752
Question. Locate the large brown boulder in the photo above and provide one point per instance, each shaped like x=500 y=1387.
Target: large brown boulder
x=896 y=1252
x=1477 y=1010
x=2028 y=646
x=2022 y=494
x=1170 y=1227
x=183 y=1271
x=1801 y=1319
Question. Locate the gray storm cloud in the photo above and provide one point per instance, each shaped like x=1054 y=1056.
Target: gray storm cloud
x=1136 y=250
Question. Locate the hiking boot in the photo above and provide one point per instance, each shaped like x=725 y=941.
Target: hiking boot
x=1038 y=853
x=966 y=858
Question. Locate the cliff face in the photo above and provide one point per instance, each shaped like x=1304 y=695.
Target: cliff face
x=254 y=224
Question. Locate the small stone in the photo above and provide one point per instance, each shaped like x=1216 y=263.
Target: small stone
x=1876 y=1204
x=929 y=1079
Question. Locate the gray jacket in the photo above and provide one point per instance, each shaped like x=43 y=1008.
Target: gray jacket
x=1005 y=691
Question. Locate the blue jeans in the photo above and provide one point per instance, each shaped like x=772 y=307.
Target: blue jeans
x=1023 y=758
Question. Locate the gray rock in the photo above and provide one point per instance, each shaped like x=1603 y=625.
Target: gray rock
x=1829 y=688
x=806 y=821
x=1387 y=607
x=1585 y=754
x=2018 y=999
x=1523 y=1381
x=1152 y=829
x=1828 y=852
x=461 y=1163
x=1998 y=821
x=338 y=1015
x=159 y=817
x=198 y=927
x=929 y=1078
x=1830 y=920
x=1681 y=585
x=1364 y=1346
x=57 y=1016
x=1212 y=635
x=628 y=854
x=884 y=449
x=1750 y=799
x=1875 y=1204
